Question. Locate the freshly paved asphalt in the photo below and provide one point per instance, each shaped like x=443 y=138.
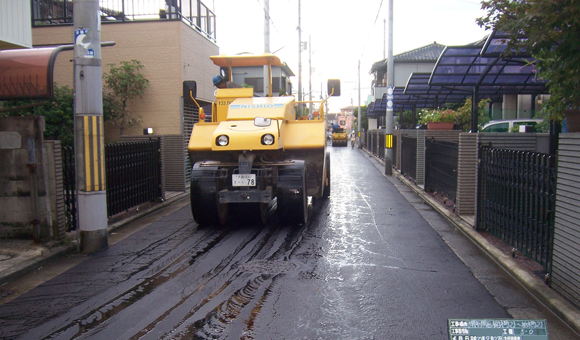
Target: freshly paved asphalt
x=374 y=262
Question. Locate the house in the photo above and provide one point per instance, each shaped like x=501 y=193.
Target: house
x=421 y=59
x=172 y=47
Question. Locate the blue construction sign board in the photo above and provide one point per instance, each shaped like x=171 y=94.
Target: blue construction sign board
x=497 y=329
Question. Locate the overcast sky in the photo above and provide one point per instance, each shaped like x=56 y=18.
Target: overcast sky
x=342 y=33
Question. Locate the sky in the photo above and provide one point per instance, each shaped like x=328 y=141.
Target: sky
x=342 y=34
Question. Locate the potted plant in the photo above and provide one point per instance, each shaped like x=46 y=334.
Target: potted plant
x=438 y=119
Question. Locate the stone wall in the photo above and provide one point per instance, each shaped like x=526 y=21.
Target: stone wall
x=26 y=208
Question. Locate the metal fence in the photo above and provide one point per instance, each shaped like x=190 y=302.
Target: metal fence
x=376 y=143
x=516 y=200
x=441 y=159
x=133 y=173
x=409 y=156
x=192 y=12
x=69 y=185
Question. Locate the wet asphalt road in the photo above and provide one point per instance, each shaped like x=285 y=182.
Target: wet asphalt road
x=374 y=262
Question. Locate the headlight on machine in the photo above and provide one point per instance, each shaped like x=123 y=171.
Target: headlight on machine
x=268 y=139
x=222 y=140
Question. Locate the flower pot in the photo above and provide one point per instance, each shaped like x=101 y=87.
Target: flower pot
x=440 y=126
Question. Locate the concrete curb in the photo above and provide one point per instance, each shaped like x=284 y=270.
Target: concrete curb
x=118 y=224
x=555 y=302
x=33 y=263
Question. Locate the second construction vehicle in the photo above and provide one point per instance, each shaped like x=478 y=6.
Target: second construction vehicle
x=339 y=136
x=256 y=152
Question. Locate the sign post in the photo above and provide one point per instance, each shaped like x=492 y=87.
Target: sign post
x=88 y=122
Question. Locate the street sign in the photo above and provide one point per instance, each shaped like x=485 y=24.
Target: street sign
x=500 y=329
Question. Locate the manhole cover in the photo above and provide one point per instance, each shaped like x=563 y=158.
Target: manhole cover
x=269 y=267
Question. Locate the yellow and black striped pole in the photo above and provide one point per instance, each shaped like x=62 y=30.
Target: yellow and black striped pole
x=89 y=136
x=94 y=179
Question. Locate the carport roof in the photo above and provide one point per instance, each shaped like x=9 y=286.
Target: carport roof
x=464 y=67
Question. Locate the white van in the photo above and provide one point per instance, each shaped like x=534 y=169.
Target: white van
x=506 y=125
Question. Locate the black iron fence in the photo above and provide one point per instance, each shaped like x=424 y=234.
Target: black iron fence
x=133 y=174
x=516 y=200
x=192 y=12
x=409 y=156
x=69 y=185
x=133 y=177
x=441 y=159
x=376 y=143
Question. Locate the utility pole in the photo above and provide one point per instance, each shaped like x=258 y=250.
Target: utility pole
x=310 y=74
x=390 y=86
x=384 y=38
x=266 y=45
x=88 y=125
x=299 y=60
x=359 y=113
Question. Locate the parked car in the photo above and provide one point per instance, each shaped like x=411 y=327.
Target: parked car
x=506 y=125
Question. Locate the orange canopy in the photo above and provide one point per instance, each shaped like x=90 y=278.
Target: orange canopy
x=246 y=60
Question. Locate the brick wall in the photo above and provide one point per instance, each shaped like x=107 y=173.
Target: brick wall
x=170 y=51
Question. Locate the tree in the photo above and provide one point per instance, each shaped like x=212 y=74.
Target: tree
x=549 y=30
x=464 y=114
x=364 y=123
x=58 y=113
x=123 y=84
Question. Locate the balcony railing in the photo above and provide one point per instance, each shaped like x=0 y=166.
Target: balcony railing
x=192 y=12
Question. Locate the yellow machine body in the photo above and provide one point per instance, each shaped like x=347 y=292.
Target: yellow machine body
x=261 y=140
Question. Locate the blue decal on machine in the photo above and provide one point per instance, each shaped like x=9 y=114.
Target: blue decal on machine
x=256 y=106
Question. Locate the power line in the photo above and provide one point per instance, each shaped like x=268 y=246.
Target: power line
x=269 y=17
x=374 y=23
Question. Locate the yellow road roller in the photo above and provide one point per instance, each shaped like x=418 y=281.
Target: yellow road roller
x=255 y=151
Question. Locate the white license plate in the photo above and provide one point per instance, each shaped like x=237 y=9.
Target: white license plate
x=245 y=180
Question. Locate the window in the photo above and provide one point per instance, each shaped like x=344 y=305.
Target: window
x=500 y=127
x=257 y=83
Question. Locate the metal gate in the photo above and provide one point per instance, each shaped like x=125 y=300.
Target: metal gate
x=516 y=200
x=441 y=160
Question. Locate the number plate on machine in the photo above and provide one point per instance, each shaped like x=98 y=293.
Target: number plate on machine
x=245 y=180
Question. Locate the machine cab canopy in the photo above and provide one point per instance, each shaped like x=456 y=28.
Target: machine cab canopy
x=226 y=62
x=246 y=60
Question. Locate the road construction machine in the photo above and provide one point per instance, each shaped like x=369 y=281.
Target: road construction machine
x=256 y=152
x=339 y=136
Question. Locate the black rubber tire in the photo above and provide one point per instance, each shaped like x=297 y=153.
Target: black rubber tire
x=203 y=202
x=293 y=208
x=326 y=192
x=204 y=198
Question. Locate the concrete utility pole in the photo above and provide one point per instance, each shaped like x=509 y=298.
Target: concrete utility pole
x=390 y=85
x=309 y=74
x=359 y=113
x=88 y=122
x=266 y=45
x=299 y=60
